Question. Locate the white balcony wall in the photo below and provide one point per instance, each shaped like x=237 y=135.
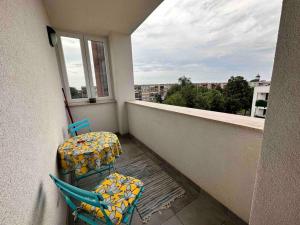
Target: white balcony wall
x=218 y=151
x=33 y=118
x=103 y=116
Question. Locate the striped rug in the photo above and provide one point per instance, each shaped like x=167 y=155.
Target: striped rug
x=160 y=189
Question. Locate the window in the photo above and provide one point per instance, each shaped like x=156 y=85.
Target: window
x=267 y=96
x=85 y=67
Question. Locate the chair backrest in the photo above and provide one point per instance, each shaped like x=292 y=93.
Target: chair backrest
x=95 y=199
x=74 y=127
x=71 y=192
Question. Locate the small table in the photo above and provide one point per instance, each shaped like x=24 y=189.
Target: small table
x=89 y=152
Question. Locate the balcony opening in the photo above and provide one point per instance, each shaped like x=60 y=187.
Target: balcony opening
x=209 y=55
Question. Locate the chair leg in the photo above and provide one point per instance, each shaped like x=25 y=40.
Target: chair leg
x=131 y=218
x=138 y=213
x=74 y=180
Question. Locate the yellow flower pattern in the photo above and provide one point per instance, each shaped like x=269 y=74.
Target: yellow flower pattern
x=119 y=193
x=89 y=151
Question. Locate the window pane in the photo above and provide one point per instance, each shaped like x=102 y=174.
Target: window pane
x=98 y=66
x=74 y=66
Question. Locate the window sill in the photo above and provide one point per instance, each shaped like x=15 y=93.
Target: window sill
x=87 y=103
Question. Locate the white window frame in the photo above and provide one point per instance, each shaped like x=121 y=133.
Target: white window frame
x=87 y=67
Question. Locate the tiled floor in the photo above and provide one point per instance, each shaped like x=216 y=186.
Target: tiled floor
x=195 y=208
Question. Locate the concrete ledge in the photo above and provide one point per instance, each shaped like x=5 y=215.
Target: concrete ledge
x=87 y=103
x=243 y=121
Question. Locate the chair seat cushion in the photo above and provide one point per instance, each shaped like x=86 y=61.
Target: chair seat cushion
x=119 y=193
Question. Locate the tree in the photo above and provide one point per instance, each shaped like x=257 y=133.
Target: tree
x=184 y=81
x=185 y=92
x=188 y=92
x=210 y=100
x=232 y=105
x=236 y=96
x=238 y=92
x=158 y=98
x=201 y=101
x=173 y=89
x=216 y=100
x=175 y=99
x=74 y=92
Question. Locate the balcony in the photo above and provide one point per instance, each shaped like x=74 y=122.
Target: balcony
x=212 y=155
x=195 y=207
x=234 y=169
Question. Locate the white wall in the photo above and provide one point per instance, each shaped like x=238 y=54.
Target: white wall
x=276 y=198
x=33 y=118
x=218 y=151
x=103 y=116
x=122 y=74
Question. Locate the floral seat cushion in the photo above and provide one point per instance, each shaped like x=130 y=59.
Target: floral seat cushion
x=119 y=193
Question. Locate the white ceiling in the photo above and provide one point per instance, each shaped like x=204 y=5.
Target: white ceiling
x=99 y=16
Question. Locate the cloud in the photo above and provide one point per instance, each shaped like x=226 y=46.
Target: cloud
x=207 y=40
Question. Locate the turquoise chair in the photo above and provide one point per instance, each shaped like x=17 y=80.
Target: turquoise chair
x=94 y=199
x=74 y=127
x=85 y=124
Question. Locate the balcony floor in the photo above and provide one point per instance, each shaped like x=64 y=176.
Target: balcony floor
x=195 y=208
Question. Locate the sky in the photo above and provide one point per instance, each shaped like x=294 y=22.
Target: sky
x=206 y=40
x=73 y=60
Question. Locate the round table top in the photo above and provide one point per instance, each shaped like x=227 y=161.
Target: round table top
x=88 y=142
x=89 y=151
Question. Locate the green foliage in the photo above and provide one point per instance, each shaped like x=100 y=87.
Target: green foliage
x=201 y=101
x=210 y=100
x=236 y=96
x=232 y=105
x=175 y=88
x=74 y=92
x=188 y=92
x=175 y=99
x=239 y=93
x=184 y=81
x=261 y=103
x=158 y=98
x=216 y=100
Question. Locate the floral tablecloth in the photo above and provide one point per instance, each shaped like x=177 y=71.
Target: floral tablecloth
x=89 y=151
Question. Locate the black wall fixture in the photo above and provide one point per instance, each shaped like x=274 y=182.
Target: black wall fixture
x=52 y=36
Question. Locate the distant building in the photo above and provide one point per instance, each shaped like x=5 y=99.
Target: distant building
x=260 y=100
x=258 y=82
x=211 y=85
x=147 y=92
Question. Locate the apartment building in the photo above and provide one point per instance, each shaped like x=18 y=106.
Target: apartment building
x=260 y=100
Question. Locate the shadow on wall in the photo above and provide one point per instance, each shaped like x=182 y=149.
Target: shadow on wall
x=37 y=216
x=65 y=133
